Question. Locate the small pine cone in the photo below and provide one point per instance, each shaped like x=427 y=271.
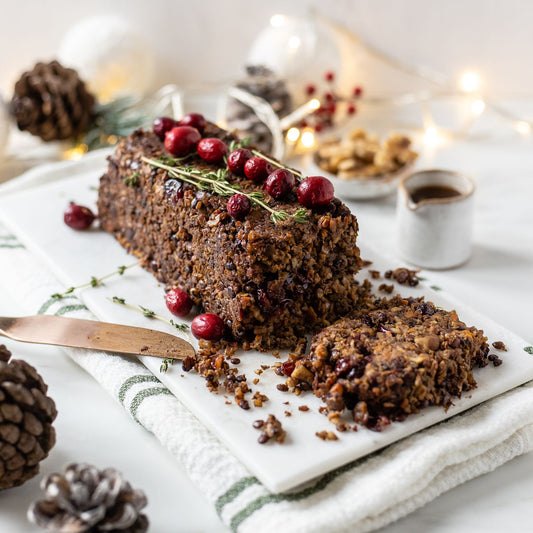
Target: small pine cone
x=26 y=416
x=260 y=82
x=52 y=102
x=85 y=499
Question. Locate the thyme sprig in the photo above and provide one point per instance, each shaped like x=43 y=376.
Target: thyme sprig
x=216 y=182
x=133 y=180
x=148 y=313
x=243 y=143
x=277 y=164
x=94 y=281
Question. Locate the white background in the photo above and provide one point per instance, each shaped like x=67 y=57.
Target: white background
x=207 y=40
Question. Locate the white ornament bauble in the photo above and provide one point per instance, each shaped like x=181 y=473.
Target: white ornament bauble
x=295 y=48
x=110 y=55
x=4 y=127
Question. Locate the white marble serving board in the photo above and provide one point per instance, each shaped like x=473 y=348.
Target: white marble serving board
x=35 y=215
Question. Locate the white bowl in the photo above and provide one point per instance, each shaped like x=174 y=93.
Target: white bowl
x=365 y=187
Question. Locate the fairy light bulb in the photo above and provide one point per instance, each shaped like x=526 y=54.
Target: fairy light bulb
x=293 y=134
x=314 y=104
x=308 y=139
x=477 y=107
x=294 y=42
x=277 y=20
x=523 y=127
x=469 y=81
x=75 y=153
x=431 y=137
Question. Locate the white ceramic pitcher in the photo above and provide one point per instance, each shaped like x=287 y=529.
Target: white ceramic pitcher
x=435 y=232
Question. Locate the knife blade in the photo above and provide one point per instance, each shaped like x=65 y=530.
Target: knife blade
x=80 y=333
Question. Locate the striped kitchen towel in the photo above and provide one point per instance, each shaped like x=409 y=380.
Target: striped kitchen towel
x=360 y=496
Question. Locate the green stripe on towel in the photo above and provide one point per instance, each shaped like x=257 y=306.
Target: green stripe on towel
x=234 y=491
x=70 y=308
x=320 y=485
x=142 y=395
x=52 y=300
x=134 y=380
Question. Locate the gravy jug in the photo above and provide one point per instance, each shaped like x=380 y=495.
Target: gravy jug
x=435 y=218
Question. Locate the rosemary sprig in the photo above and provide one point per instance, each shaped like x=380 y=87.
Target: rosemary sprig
x=216 y=182
x=94 y=281
x=148 y=313
x=276 y=163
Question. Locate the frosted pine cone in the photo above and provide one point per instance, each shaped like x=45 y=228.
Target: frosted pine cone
x=87 y=500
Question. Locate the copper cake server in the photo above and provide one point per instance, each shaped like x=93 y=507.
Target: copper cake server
x=78 y=333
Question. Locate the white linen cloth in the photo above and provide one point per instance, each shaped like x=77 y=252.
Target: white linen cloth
x=361 y=496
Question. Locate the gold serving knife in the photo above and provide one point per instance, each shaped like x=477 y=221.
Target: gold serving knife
x=78 y=333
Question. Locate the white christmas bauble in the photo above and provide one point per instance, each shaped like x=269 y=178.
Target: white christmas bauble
x=4 y=127
x=295 y=48
x=110 y=55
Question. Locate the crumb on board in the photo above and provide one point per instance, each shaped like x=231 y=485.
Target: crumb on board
x=499 y=345
x=271 y=429
x=326 y=435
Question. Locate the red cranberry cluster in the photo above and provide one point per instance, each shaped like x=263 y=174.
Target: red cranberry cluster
x=314 y=191
x=184 y=137
x=330 y=104
x=206 y=326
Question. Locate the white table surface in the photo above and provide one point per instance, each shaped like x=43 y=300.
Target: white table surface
x=92 y=427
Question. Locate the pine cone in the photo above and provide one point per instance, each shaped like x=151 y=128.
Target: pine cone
x=88 y=500
x=260 y=82
x=26 y=416
x=51 y=101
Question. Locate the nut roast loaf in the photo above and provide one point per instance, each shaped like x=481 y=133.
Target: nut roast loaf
x=271 y=283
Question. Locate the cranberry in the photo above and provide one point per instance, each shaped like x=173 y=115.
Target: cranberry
x=208 y=327
x=330 y=76
x=162 y=125
x=279 y=183
x=78 y=216
x=351 y=109
x=178 y=302
x=310 y=89
x=174 y=189
x=357 y=91
x=237 y=159
x=329 y=97
x=343 y=365
x=319 y=127
x=182 y=140
x=288 y=367
x=212 y=150
x=238 y=206
x=315 y=191
x=194 y=120
x=257 y=169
